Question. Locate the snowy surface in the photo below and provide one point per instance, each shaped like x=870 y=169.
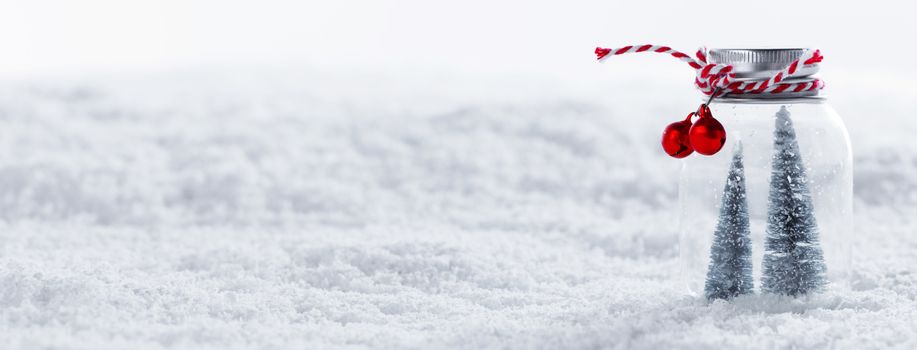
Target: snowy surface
x=273 y=211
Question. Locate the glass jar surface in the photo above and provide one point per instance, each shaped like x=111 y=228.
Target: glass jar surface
x=775 y=202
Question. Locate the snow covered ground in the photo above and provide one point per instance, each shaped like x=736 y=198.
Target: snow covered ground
x=312 y=211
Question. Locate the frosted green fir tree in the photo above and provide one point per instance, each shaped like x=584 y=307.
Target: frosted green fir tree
x=730 y=272
x=793 y=262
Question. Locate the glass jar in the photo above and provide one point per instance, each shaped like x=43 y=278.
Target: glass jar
x=772 y=211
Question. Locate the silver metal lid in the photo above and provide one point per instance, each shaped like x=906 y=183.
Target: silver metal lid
x=760 y=63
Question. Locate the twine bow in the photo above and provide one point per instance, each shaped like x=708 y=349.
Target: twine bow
x=718 y=79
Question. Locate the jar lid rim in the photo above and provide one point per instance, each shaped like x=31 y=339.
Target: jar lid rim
x=754 y=63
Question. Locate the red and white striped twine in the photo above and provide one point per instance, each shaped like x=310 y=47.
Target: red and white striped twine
x=718 y=78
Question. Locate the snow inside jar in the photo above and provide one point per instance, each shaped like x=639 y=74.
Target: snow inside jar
x=772 y=211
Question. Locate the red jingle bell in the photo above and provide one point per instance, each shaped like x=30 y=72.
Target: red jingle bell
x=675 y=140
x=707 y=135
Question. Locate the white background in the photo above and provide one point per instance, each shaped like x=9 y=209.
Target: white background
x=109 y=35
x=411 y=174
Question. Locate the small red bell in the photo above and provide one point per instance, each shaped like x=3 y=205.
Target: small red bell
x=675 y=138
x=707 y=135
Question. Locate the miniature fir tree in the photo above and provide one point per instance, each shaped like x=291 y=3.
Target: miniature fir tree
x=793 y=262
x=730 y=272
